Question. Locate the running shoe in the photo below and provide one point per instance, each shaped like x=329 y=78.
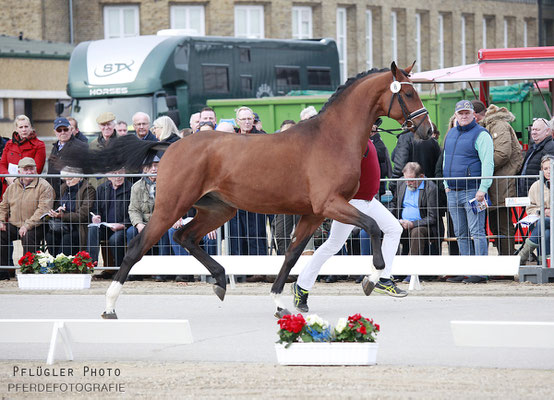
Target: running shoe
x=300 y=298
x=387 y=286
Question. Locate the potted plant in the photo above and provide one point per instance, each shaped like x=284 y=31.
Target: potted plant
x=312 y=341
x=41 y=271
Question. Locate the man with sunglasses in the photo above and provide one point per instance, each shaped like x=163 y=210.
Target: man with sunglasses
x=66 y=141
x=541 y=136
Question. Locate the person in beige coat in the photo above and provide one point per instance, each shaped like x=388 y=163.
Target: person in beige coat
x=533 y=241
x=508 y=159
x=24 y=204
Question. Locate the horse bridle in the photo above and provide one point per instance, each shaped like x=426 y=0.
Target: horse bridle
x=409 y=123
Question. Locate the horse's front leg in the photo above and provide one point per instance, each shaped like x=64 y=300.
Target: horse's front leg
x=304 y=230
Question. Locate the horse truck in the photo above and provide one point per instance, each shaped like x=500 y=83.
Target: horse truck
x=175 y=75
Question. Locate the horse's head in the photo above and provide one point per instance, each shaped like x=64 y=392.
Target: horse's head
x=405 y=106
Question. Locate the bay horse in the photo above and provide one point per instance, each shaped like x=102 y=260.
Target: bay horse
x=311 y=170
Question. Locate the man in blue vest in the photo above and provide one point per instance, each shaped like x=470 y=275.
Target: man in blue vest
x=468 y=152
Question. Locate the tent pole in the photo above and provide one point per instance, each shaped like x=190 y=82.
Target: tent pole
x=484 y=92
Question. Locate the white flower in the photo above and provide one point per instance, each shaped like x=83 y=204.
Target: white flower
x=44 y=258
x=60 y=256
x=314 y=319
x=341 y=324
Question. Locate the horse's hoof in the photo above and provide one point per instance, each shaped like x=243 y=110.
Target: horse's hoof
x=220 y=292
x=281 y=312
x=111 y=315
x=367 y=286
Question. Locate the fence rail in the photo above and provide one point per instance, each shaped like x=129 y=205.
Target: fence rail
x=71 y=228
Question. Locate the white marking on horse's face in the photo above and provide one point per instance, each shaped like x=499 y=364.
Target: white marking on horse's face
x=111 y=296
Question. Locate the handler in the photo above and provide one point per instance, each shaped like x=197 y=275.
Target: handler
x=364 y=200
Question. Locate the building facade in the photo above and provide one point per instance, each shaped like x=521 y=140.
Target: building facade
x=369 y=33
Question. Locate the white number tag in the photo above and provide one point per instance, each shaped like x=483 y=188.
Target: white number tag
x=395 y=87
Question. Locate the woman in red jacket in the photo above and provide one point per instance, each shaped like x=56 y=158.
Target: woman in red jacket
x=24 y=143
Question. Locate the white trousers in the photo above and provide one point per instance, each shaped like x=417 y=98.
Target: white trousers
x=340 y=232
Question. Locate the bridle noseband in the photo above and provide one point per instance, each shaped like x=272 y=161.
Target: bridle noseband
x=408 y=124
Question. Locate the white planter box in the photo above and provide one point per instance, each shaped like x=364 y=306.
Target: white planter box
x=327 y=353
x=53 y=281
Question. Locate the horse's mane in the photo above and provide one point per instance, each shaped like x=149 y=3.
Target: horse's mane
x=352 y=80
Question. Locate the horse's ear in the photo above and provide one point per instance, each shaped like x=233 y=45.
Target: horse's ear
x=393 y=69
x=409 y=69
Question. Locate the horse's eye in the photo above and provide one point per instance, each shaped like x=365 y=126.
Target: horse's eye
x=410 y=94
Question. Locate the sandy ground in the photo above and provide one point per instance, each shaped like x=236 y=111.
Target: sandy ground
x=146 y=380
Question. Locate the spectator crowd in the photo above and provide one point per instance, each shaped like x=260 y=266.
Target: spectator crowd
x=435 y=192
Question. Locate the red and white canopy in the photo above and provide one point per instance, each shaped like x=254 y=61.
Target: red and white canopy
x=528 y=63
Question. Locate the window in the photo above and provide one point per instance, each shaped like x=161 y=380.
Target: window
x=190 y=18
x=1 y=108
x=418 y=42
x=463 y=39
x=301 y=22
x=369 y=39
x=441 y=46
x=525 y=33
x=121 y=21
x=319 y=77
x=441 y=41
x=341 y=42
x=394 y=35
x=246 y=83
x=216 y=78
x=244 y=55
x=287 y=78
x=249 y=21
x=505 y=33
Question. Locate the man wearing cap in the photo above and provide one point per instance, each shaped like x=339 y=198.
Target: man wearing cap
x=141 y=206
x=468 y=152
x=106 y=123
x=141 y=123
x=66 y=143
x=24 y=203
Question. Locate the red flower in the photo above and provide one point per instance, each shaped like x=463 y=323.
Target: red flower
x=292 y=323
x=377 y=327
x=354 y=318
x=362 y=330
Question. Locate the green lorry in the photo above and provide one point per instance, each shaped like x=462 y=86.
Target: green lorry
x=175 y=75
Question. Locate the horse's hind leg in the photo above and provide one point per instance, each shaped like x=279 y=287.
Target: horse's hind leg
x=304 y=230
x=150 y=235
x=212 y=213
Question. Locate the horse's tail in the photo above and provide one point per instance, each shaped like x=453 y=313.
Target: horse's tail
x=127 y=152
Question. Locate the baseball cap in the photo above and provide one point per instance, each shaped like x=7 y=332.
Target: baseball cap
x=61 y=121
x=256 y=117
x=26 y=162
x=105 y=117
x=464 y=105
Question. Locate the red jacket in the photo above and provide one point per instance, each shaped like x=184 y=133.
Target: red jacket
x=16 y=149
x=370 y=175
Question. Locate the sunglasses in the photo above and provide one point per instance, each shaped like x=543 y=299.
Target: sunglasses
x=60 y=130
